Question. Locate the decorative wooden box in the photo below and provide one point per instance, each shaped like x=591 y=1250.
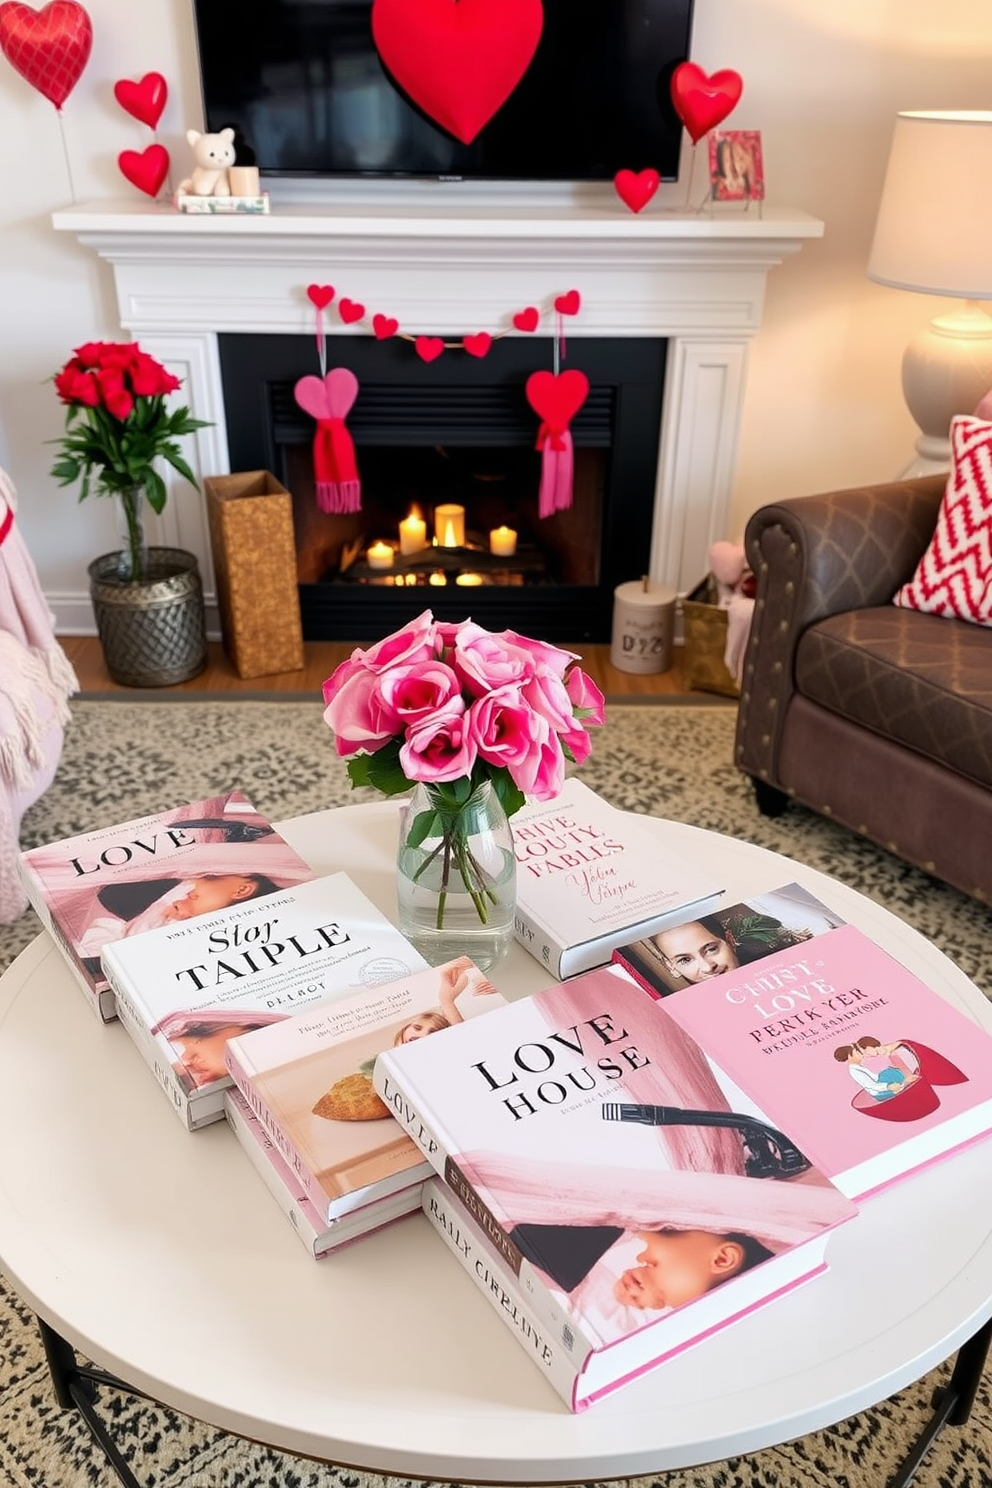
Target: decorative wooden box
x=251 y=533
x=704 y=624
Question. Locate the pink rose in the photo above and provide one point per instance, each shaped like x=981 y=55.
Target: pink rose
x=439 y=748
x=448 y=632
x=484 y=661
x=415 y=642
x=546 y=694
x=411 y=692
x=341 y=675
x=543 y=654
x=549 y=774
x=507 y=732
x=356 y=714
x=577 y=742
x=586 y=697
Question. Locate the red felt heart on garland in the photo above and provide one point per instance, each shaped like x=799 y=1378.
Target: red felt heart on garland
x=636 y=188
x=478 y=345
x=350 y=311
x=48 y=47
x=702 y=102
x=384 y=326
x=557 y=398
x=428 y=348
x=527 y=320
x=320 y=295
x=568 y=304
x=459 y=60
x=146 y=169
x=144 y=100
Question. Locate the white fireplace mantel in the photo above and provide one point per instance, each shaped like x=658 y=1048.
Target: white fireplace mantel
x=697 y=279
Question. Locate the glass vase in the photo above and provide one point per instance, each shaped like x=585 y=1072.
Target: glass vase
x=456 y=874
x=129 y=505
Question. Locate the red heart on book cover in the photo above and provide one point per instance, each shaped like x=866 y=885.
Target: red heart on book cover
x=48 y=47
x=145 y=99
x=557 y=398
x=428 y=348
x=636 y=188
x=458 y=62
x=568 y=304
x=146 y=169
x=350 y=311
x=527 y=320
x=320 y=295
x=478 y=345
x=703 y=101
x=384 y=326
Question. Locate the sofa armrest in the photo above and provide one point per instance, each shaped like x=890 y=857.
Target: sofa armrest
x=815 y=556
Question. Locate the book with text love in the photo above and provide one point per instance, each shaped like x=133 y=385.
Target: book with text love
x=159 y=869
x=872 y=1072
x=320 y=1237
x=184 y=990
x=628 y=1238
x=590 y=877
x=309 y=1082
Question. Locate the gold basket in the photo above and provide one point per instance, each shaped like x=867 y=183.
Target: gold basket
x=705 y=637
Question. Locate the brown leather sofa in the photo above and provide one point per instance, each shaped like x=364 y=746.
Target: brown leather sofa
x=876 y=716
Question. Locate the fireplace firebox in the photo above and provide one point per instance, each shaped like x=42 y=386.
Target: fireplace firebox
x=460 y=432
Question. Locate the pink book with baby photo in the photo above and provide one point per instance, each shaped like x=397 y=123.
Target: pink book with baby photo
x=119 y=881
x=638 y=1199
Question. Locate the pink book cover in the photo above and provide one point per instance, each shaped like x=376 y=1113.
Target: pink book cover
x=623 y=1177
x=871 y=1072
x=106 y=885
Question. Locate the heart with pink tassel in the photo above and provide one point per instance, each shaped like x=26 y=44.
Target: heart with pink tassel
x=329 y=399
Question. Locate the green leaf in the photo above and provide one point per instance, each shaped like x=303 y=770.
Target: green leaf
x=511 y=798
x=385 y=772
x=422 y=827
x=358 y=769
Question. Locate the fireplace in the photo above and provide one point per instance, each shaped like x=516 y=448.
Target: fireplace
x=458 y=432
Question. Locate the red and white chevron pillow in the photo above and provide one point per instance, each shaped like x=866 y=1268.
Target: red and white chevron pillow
x=954 y=576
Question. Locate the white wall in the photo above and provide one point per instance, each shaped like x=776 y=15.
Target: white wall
x=823 y=80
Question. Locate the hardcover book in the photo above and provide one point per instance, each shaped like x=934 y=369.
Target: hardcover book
x=183 y=990
x=640 y=1200
x=590 y=877
x=872 y=1072
x=309 y=1082
x=319 y=1236
x=161 y=869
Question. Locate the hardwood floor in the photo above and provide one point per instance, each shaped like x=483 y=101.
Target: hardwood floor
x=323 y=656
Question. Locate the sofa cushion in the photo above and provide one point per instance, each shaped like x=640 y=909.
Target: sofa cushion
x=954 y=575
x=920 y=680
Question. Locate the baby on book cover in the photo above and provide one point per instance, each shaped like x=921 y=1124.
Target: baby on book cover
x=625 y=1167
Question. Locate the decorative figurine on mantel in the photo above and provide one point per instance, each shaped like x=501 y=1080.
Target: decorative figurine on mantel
x=217 y=183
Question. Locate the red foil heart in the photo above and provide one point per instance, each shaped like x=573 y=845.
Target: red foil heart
x=478 y=345
x=48 y=47
x=384 y=326
x=635 y=189
x=144 y=100
x=320 y=295
x=146 y=169
x=568 y=304
x=703 y=101
x=350 y=311
x=428 y=348
x=527 y=320
x=459 y=62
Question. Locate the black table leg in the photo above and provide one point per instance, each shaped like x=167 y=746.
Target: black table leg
x=75 y=1386
x=952 y=1405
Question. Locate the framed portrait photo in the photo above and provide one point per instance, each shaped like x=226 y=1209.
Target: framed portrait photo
x=737 y=171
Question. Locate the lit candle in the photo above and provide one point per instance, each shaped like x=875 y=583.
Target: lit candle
x=413 y=534
x=438 y=579
x=380 y=555
x=469 y=580
x=449 y=526
x=503 y=542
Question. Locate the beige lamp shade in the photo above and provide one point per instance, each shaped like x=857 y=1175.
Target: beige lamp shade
x=934 y=227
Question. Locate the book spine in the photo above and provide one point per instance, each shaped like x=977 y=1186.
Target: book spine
x=490 y=1276
x=301 y=1171
x=534 y=937
x=276 y=1174
x=130 y=1016
x=637 y=975
x=100 y=1000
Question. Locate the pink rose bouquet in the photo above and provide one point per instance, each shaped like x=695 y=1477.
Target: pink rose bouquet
x=456 y=708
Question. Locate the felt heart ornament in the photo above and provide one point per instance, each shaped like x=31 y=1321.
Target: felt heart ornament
x=320 y=295
x=527 y=320
x=144 y=100
x=48 y=47
x=636 y=188
x=384 y=326
x=428 y=348
x=146 y=169
x=459 y=60
x=327 y=397
x=350 y=311
x=703 y=101
x=568 y=304
x=557 y=398
x=478 y=345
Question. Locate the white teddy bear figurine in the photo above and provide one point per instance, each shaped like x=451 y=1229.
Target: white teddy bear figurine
x=213 y=153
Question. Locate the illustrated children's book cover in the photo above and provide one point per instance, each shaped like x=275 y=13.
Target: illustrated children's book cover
x=309 y=1081
x=161 y=869
x=638 y=1197
x=184 y=990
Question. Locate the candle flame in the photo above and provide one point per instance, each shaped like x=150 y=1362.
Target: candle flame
x=449 y=535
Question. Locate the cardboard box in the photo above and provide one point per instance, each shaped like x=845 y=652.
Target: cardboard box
x=704 y=624
x=250 y=515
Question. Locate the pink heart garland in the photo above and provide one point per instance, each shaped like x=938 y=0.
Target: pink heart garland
x=144 y=100
x=568 y=304
x=635 y=189
x=527 y=320
x=146 y=169
x=557 y=399
x=48 y=47
x=478 y=345
x=350 y=311
x=428 y=348
x=320 y=295
x=329 y=397
x=384 y=326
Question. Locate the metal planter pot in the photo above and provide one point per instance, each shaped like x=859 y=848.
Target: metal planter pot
x=153 y=632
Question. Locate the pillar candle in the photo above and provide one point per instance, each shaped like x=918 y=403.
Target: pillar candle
x=469 y=580
x=380 y=555
x=244 y=180
x=503 y=542
x=643 y=626
x=413 y=534
x=449 y=526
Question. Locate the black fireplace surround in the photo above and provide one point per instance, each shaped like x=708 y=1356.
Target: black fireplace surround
x=458 y=404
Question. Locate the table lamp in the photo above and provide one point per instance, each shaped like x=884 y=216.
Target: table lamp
x=934 y=235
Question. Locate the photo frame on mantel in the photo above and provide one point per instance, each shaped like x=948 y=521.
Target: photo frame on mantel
x=737 y=172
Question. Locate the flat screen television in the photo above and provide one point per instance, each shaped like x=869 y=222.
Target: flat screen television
x=302 y=84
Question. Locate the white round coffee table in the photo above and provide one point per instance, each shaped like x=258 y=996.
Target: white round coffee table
x=159 y=1254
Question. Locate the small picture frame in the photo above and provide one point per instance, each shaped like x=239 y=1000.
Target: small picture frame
x=737 y=170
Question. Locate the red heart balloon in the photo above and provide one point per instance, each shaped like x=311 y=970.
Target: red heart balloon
x=459 y=62
x=702 y=102
x=384 y=326
x=48 y=47
x=320 y=295
x=557 y=398
x=144 y=100
x=428 y=348
x=350 y=311
x=478 y=345
x=635 y=190
x=146 y=169
x=527 y=320
x=568 y=304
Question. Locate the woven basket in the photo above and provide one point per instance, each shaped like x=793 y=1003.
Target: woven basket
x=251 y=535
x=705 y=636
